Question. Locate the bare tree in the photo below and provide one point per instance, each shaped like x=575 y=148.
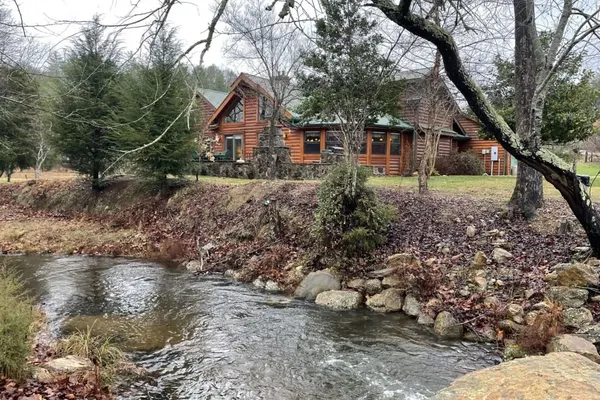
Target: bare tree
x=535 y=70
x=272 y=50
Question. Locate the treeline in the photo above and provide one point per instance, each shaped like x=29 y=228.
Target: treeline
x=99 y=111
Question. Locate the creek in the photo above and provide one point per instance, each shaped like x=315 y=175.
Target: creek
x=210 y=338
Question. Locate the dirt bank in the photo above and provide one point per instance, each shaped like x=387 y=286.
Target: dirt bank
x=263 y=229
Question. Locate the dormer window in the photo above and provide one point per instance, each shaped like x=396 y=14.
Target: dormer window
x=236 y=114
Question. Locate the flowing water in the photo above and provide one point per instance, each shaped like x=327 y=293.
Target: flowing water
x=210 y=338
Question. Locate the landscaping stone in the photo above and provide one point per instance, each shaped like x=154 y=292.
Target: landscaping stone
x=510 y=326
x=389 y=300
x=577 y=317
x=500 y=255
x=373 y=286
x=492 y=302
x=531 y=316
x=402 y=260
x=339 y=299
x=425 y=319
x=411 y=306
x=590 y=333
x=558 y=376
x=574 y=344
x=69 y=365
x=513 y=351
x=272 y=287
x=567 y=297
x=481 y=283
x=315 y=283
x=479 y=261
x=42 y=375
x=471 y=231
x=515 y=312
x=447 y=327
x=194 y=266
x=595 y=299
x=391 y=281
x=356 y=284
x=529 y=293
x=573 y=275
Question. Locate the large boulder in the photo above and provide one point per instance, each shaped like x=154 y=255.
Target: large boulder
x=315 y=283
x=411 y=306
x=373 y=286
x=573 y=275
x=69 y=365
x=577 y=317
x=390 y=300
x=567 y=297
x=339 y=299
x=447 y=327
x=573 y=344
x=557 y=376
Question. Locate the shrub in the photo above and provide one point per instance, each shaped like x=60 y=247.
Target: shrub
x=350 y=222
x=99 y=349
x=459 y=163
x=535 y=337
x=16 y=318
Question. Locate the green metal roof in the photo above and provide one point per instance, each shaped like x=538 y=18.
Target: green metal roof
x=385 y=121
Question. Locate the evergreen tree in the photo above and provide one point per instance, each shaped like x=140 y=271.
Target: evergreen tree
x=156 y=100
x=572 y=104
x=87 y=100
x=17 y=92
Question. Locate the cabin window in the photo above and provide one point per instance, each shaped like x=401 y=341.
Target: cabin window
x=333 y=139
x=378 y=145
x=396 y=144
x=312 y=143
x=236 y=114
x=234 y=147
x=265 y=107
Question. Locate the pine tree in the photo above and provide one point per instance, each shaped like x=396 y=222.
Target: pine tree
x=156 y=99
x=85 y=128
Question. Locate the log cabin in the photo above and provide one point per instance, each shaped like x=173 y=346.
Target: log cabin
x=235 y=119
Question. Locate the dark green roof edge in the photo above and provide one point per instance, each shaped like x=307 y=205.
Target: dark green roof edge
x=298 y=124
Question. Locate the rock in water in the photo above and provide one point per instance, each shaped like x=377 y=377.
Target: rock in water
x=259 y=284
x=573 y=344
x=573 y=275
x=389 y=300
x=69 y=365
x=272 y=287
x=194 y=266
x=557 y=376
x=339 y=299
x=411 y=306
x=568 y=297
x=315 y=283
x=447 y=327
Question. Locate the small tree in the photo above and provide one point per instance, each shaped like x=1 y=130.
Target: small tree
x=155 y=98
x=349 y=83
x=87 y=100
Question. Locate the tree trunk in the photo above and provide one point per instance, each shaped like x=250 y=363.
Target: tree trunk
x=551 y=167
x=36 y=173
x=528 y=194
x=95 y=178
x=8 y=174
x=423 y=171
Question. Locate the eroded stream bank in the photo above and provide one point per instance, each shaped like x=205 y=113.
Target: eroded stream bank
x=206 y=336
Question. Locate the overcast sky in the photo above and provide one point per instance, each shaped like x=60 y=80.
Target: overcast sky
x=191 y=18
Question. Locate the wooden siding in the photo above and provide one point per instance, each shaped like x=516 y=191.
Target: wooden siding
x=471 y=127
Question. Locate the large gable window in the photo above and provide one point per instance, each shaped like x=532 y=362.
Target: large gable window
x=265 y=107
x=236 y=114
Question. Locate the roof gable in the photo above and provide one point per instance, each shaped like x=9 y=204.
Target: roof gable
x=214 y=97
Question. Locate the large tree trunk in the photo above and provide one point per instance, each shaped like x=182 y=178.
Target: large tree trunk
x=556 y=171
x=528 y=194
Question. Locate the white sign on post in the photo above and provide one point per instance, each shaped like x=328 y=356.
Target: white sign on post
x=494 y=156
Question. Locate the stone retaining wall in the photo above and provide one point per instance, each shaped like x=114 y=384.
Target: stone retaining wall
x=250 y=170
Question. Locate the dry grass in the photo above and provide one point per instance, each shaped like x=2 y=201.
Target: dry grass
x=36 y=235
x=535 y=337
x=28 y=174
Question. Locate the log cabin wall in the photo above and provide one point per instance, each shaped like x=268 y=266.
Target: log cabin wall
x=471 y=128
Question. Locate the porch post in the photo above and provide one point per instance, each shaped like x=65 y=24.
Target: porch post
x=369 y=146
x=388 y=151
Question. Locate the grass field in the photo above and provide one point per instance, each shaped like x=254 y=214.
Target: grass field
x=499 y=187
